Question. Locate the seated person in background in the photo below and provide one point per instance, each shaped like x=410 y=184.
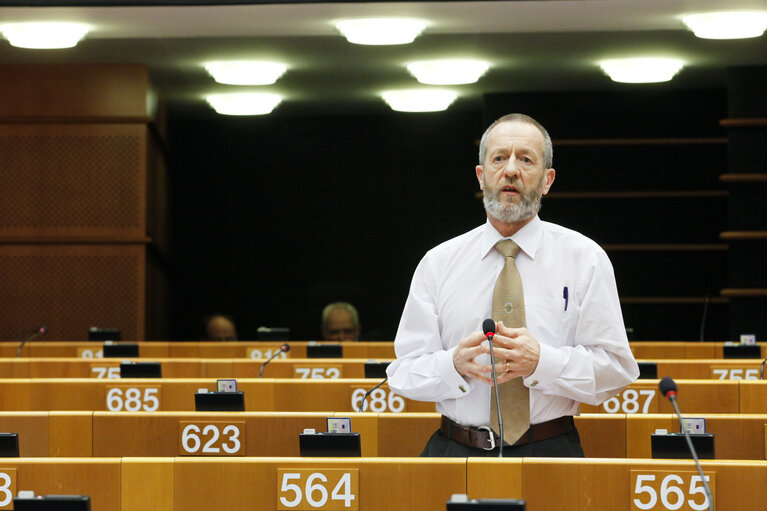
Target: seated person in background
x=340 y=322
x=219 y=327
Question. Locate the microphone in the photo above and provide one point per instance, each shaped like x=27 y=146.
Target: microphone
x=488 y=326
x=668 y=389
x=39 y=332
x=761 y=369
x=365 y=396
x=283 y=349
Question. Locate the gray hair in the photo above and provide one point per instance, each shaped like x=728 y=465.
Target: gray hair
x=340 y=305
x=548 y=148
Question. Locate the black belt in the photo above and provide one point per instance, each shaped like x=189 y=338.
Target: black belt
x=484 y=438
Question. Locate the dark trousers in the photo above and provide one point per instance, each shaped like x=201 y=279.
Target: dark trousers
x=567 y=445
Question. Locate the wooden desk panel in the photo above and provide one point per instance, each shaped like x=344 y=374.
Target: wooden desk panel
x=704 y=369
x=737 y=437
x=32 y=428
x=667 y=349
x=98 y=478
x=565 y=484
x=753 y=396
x=694 y=396
x=196 y=349
x=400 y=483
x=602 y=435
x=147 y=484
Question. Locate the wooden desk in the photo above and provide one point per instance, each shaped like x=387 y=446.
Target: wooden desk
x=260 y=433
x=564 y=484
x=195 y=349
x=383 y=484
x=267 y=394
x=98 y=478
x=694 y=396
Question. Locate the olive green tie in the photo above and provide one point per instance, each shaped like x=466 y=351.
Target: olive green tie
x=509 y=307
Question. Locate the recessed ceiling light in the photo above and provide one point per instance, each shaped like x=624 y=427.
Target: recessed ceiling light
x=642 y=69
x=44 y=35
x=727 y=24
x=244 y=103
x=245 y=72
x=448 y=71
x=380 y=31
x=419 y=100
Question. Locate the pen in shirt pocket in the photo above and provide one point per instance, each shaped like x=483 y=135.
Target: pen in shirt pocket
x=566 y=296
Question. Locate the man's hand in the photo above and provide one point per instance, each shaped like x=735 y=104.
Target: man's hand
x=465 y=353
x=516 y=352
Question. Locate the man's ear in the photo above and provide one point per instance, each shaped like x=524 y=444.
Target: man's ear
x=480 y=173
x=549 y=175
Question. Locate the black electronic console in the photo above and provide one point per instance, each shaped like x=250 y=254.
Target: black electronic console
x=742 y=351
x=330 y=445
x=52 y=503
x=219 y=401
x=462 y=503
x=266 y=333
x=120 y=350
x=140 y=370
x=375 y=369
x=324 y=351
x=104 y=334
x=674 y=446
x=9 y=445
x=648 y=370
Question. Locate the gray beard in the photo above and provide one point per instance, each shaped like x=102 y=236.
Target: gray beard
x=511 y=213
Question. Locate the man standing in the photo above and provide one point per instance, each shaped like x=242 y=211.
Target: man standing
x=551 y=291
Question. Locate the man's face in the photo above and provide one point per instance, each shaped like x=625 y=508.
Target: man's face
x=340 y=327
x=221 y=329
x=512 y=177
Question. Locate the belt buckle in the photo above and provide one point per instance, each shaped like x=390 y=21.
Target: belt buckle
x=490 y=435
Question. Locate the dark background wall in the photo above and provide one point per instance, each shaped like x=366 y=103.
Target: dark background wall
x=273 y=217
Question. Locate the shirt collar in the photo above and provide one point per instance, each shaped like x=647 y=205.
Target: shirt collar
x=528 y=237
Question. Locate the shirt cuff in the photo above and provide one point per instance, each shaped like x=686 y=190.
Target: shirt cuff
x=452 y=378
x=551 y=363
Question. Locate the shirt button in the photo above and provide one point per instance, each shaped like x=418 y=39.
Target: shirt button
x=462 y=388
x=534 y=383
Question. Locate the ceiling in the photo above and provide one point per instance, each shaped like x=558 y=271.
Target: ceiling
x=545 y=45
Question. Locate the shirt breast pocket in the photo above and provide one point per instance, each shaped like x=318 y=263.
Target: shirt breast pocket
x=548 y=321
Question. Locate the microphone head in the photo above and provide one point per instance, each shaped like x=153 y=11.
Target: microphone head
x=488 y=326
x=667 y=386
x=285 y=347
x=43 y=330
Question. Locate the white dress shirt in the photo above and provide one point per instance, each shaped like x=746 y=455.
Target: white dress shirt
x=584 y=352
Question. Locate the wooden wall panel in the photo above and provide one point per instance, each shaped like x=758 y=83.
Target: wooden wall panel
x=74 y=90
x=73 y=181
x=70 y=288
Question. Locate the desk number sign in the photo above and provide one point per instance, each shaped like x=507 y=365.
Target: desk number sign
x=321 y=488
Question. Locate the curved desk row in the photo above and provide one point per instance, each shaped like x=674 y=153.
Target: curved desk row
x=168 y=434
x=298 y=349
x=311 y=368
x=342 y=395
x=375 y=484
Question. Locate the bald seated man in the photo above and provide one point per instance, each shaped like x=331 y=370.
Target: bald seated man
x=219 y=327
x=340 y=322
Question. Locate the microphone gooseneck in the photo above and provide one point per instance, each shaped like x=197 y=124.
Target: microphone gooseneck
x=365 y=396
x=488 y=327
x=39 y=332
x=667 y=387
x=283 y=349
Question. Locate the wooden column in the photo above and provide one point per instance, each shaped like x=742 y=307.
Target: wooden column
x=79 y=173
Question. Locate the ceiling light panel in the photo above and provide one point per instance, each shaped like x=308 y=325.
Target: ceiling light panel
x=381 y=31
x=419 y=100
x=246 y=72
x=642 y=69
x=727 y=24
x=244 y=103
x=448 y=71
x=44 y=35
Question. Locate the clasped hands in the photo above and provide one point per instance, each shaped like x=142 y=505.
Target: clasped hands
x=516 y=354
